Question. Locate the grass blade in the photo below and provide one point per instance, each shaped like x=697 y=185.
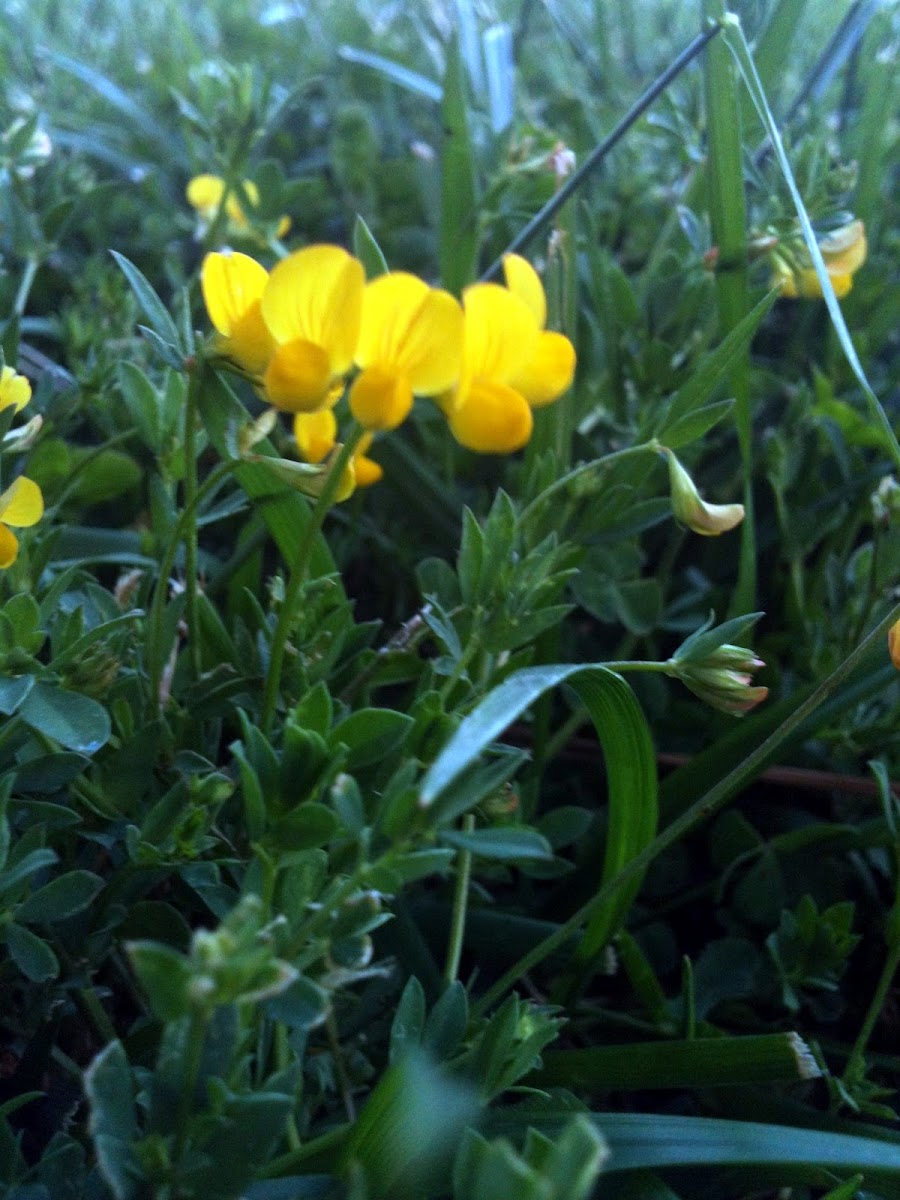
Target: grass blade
x=458 y=249
x=737 y=44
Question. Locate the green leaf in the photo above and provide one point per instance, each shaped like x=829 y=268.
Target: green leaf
x=367 y=249
x=143 y=404
x=302 y=1005
x=77 y=722
x=458 y=247
x=17 y=872
x=154 y=309
x=696 y=1062
x=630 y=770
x=712 y=367
x=408 y=1024
x=504 y=844
x=113 y=1124
x=60 y=898
x=694 y=425
x=370 y=735
x=31 y=954
x=165 y=975
x=13 y=691
x=405 y=1137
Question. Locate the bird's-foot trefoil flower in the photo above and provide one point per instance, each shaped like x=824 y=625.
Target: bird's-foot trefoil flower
x=205 y=194
x=233 y=285
x=843 y=251
x=21 y=505
x=691 y=510
x=510 y=364
x=410 y=343
x=316 y=437
x=14 y=389
x=312 y=306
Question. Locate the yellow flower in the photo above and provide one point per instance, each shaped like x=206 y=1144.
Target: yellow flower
x=233 y=286
x=204 y=193
x=510 y=365
x=21 y=505
x=316 y=436
x=312 y=306
x=14 y=389
x=689 y=509
x=894 y=644
x=410 y=342
x=844 y=251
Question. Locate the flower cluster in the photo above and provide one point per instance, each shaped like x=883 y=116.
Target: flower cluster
x=844 y=252
x=299 y=331
x=205 y=194
x=22 y=504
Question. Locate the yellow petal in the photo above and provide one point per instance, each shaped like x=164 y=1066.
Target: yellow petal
x=22 y=503
x=523 y=280
x=845 y=249
x=380 y=398
x=316 y=434
x=367 y=470
x=14 y=389
x=413 y=328
x=894 y=644
x=492 y=419
x=500 y=332
x=9 y=547
x=232 y=286
x=204 y=192
x=315 y=295
x=549 y=371
x=298 y=377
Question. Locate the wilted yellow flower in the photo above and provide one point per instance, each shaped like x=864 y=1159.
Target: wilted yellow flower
x=312 y=306
x=232 y=286
x=410 y=342
x=844 y=251
x=510 y=363
x=316 y=436
x=14 y=389
x=691 y=510
x=205 y=192
x=894 y=644
x=21 y=505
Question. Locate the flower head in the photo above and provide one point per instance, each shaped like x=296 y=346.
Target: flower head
x=844 y=252
x=316 y=437
x=232 y=286
x=205 y=193
x=21 y=505
x=410 y=342
x=510 y=363
x=312 y=307
x=723 y=678
x=14 y=389
x=691 y=510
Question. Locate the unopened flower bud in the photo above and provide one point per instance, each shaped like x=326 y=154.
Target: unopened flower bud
x=691 y=510
x=23 y=438
x=256 y=431
x=723 y=678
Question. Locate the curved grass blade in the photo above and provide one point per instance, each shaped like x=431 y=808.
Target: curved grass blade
x=630 y=771
x=737 y=44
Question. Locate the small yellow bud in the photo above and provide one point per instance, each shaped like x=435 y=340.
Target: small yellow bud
x=894 y=644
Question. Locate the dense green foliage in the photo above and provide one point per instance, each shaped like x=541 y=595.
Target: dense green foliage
x=484 y=888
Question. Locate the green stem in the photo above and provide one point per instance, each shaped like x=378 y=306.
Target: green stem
x=190 y=503
x=156 y=616
x=459 y=667
x=585 y=469
x=288 y=1163
x=460 y=905
x=298 y=578
x=856 y=1064
x=31 y=268
x=701 y=810
x=194 y=1057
